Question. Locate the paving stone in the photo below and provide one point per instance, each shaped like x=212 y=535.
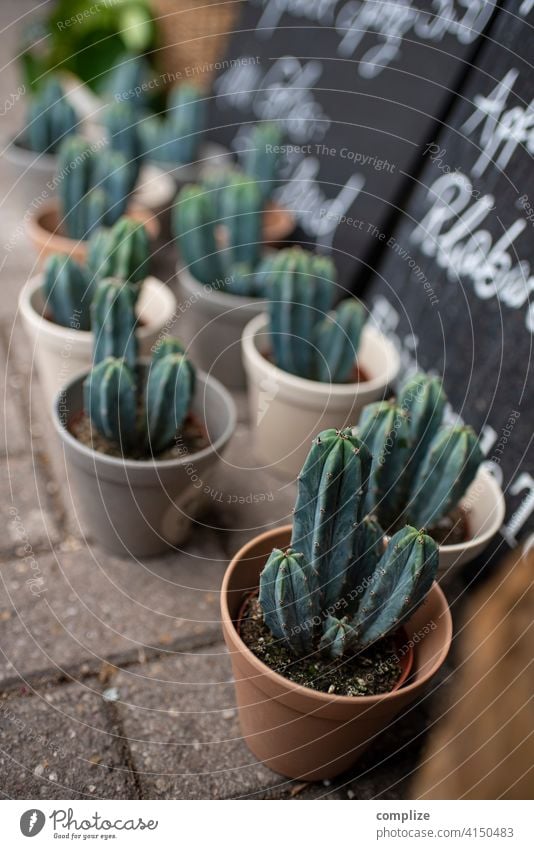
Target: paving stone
x=183 y=731
x=83 y=606
x=61 y=744
x=26 y=506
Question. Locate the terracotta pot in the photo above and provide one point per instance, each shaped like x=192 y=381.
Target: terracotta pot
x=278 y=223
x=44 y=231
x=296 y=731
x=485 y=508
x=61 y=352
x=140 y=508
x=287 y=412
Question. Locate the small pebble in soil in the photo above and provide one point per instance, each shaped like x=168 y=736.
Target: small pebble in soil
x=371 y=672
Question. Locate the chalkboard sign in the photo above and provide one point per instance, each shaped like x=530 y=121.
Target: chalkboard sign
x=456 y=282
x=356 y=87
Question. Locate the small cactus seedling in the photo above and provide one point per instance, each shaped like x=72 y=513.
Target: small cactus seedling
x=261 y=159
x=50 y=119
x=94 y=188
x=421 y=467
x=307 y=339
x=123 y=251
x=67 y=290
x=114 y=322
x=338 y=588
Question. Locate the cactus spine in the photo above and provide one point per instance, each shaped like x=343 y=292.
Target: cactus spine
x=67 y=290
x=337 y=560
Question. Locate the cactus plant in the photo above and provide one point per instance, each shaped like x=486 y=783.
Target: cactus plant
x=67 y=290
x=261 y=159
x=121 y=121
x=113 y=322
x=337 y=560
x=307 y=340
x=94 y=187
x=240 y=214
x=140 y=407
x=175 y=137
x=123 y=251
x=194 y=220
x=421 y=467
x=50 y=118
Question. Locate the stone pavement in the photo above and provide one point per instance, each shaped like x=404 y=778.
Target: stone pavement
x=114 y=680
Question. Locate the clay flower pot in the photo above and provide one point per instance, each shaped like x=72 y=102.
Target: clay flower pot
x=213 y=323
x=287 y=412
x=44 y=231
x=484 y=508
x=142 y=507
x=278 y=223
x=61 y=352
x=294 y=730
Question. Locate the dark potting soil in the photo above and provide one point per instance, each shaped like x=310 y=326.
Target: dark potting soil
x=369 y=673
x=452 y=529
x=189 y=440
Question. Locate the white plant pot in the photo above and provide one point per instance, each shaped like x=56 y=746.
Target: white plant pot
x=485 y=509
x=287 y=412
x=62 y=352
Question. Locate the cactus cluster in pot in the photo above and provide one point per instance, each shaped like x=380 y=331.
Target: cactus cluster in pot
x=69 y=287
x=338 y=589
x=218 y=227
x=94 y=186
x=308 y=338
x=422 y=466
x=50 y=118
x=261 y=157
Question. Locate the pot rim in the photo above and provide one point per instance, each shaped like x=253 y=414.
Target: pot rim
x=115 y=462
x=15 y=150
x=225 y=299
x=498 y=512
x=39 y=233
x=290 y=686
x=59 y=332
x=251 y=353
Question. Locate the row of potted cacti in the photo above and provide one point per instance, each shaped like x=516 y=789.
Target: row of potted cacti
x=336 y=623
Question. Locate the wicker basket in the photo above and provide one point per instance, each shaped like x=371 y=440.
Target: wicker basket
x=193 y=35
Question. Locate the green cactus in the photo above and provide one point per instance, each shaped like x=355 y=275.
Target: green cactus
x=261 y=159
x=240 y=213
x=168 y=395
x=121 y=121
x=194 y=227
x=67 y=290
x=94 y=187
x=110 y=400
x=171 y=345
x=114 y=322
x=421 y=467
x=128 y=81
x=176 y=136
x=123 y=251
x=337 y=339
x=50 y=118
x=338 y=588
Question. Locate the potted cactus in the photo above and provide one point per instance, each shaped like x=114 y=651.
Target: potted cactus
x=138 y=435
x=429 y=473
x=56 y=305
x=322 y=649
x=219 y=237
x=94 y=184
x=308 y=367
x=173 y=140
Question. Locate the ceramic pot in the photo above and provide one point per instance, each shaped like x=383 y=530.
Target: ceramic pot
x=287 y=412
x=61 y=352
x=142 y=508
x=299 y=732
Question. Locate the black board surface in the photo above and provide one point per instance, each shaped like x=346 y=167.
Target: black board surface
x=455 y=287
x=357 y=87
